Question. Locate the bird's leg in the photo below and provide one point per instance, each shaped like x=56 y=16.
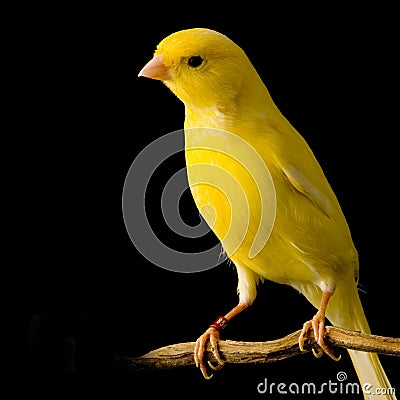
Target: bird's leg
x=212 y=334
x=318 y=325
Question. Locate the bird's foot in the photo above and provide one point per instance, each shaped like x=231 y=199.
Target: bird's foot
x=318 y=326
x=212 y=335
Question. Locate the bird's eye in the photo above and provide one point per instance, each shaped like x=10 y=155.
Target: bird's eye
x=195 y=61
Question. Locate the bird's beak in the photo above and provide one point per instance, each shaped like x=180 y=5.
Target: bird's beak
x=156 y=69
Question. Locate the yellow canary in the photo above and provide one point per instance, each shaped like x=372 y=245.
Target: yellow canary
x=260 y=188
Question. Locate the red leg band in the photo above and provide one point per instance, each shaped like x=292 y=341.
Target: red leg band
x=219 y=324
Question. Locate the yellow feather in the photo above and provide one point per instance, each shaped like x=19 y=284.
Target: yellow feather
x=259 y=186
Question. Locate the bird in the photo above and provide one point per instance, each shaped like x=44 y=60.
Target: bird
x=272 y=207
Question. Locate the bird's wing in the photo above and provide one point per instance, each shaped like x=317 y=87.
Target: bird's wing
x=306 y=188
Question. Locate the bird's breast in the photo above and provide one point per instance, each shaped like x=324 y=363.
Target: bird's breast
x=232 y=188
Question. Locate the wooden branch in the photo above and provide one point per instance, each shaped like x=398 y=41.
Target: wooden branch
x=181 y=354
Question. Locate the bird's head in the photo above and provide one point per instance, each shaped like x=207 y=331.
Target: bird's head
x=202 y=67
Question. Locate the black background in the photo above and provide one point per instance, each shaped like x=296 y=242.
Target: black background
x=331 y=72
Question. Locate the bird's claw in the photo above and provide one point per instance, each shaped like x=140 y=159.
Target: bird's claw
x=211 y=335
x=205 y=374
x=216 y=367
x=318 y=353
x=303 y=334
x=318 y=325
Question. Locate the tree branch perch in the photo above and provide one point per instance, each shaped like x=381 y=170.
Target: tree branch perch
x=235 y=352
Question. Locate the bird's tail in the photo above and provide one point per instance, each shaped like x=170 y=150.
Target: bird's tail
x=374 y=382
